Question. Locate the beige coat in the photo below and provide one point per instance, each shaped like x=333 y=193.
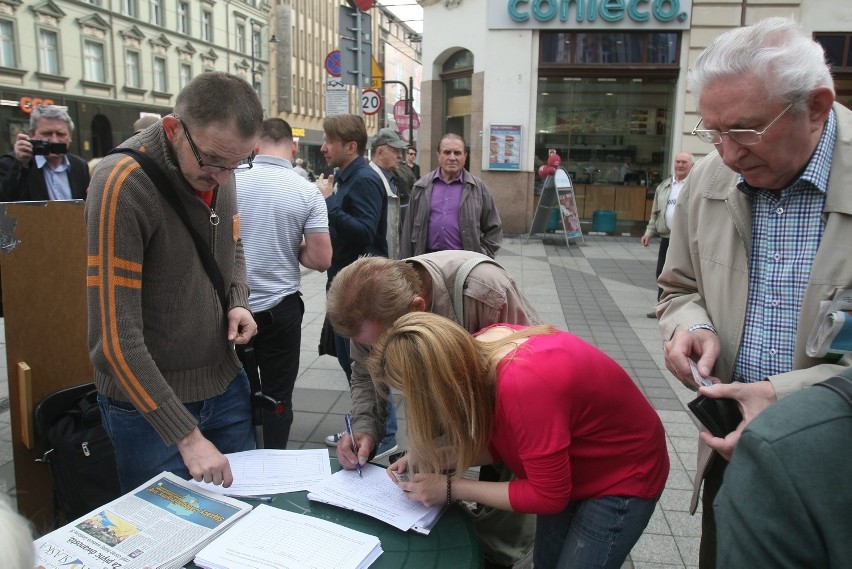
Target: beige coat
x=705 y=278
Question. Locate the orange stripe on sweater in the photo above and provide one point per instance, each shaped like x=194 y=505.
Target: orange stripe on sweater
x=140 y=398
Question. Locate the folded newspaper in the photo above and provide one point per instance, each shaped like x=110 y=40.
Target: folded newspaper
x=831 y=335
x=161 y=524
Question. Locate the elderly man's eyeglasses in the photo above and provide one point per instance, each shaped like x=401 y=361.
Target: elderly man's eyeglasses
x=212 y=168
x=744 y=136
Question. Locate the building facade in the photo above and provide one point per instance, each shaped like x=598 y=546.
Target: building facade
x=309 y=31
x=109 y=61
x=602 y=84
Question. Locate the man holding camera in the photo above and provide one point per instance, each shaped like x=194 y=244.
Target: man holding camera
x=39 y=166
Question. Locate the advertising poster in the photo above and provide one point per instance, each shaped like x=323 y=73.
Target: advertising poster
x=504 y=149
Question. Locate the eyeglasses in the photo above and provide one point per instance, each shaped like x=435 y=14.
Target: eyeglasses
x=743 y=136
x=212 y=168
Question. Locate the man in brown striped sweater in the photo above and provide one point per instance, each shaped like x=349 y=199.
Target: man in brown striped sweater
x=172 y=392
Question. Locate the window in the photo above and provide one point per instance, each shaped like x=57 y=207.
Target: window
x=131 y=69
x=160 y=84
x=607 y=48
x=157 y=12
x=48 y=52
x=255 y=44
x=183 y=17
x=7 y=44
x=129 y=8
x=185 y=74
x=93 y=61
x=241 y=38
x=207 y=25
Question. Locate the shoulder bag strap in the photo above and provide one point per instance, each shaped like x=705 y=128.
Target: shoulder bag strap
x=458 y=286
x=840 y=384
x=161 y=182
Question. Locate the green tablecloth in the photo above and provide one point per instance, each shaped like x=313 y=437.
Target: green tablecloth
x=452 y=543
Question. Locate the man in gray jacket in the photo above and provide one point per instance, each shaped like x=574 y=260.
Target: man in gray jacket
x=450 y=208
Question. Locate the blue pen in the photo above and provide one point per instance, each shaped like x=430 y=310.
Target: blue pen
x=354 y=447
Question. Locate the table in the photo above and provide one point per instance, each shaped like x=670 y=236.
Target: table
x=452 y=543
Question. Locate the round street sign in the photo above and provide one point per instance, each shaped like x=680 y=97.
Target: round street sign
x=332 y=63
x=371 y=101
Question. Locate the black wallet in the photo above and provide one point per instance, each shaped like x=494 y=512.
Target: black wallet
x=720 y=416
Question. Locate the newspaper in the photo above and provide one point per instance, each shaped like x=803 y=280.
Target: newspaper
x=161 y=524
x=831 y=335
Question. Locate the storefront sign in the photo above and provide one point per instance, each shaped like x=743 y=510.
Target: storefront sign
x=336 y=97
x=589 y=14
x=504 y=147
x=28 y=104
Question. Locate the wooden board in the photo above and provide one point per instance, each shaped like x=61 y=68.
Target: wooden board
x=43 y=259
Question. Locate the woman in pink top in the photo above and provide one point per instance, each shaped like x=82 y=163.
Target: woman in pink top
x=587 y=448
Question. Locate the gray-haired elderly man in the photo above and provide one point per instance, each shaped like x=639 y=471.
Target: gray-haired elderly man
x=387 y=156
x=760 y=232
x=39 y=166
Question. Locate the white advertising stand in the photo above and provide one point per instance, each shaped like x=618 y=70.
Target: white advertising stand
x=558 y=192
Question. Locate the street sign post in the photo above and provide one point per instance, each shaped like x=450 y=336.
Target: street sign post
x=356 y=46
x=371 y=101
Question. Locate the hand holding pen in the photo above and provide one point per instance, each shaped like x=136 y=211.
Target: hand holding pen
x=354 y=446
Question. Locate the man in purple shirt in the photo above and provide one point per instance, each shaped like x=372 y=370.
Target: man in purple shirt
x=450 y=208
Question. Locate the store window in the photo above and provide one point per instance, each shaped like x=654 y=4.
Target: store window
x=838 y=53
x=604 y=104
x=597 y=125
x=457 y=79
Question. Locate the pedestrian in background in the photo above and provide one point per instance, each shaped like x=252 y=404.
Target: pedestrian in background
x=283 y=224
x=662 y=211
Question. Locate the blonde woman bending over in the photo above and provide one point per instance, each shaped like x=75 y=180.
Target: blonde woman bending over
x=588 y=449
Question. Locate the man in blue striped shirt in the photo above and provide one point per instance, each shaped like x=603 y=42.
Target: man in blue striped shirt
x=278 y=208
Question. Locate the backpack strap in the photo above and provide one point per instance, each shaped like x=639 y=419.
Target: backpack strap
x=162 y=183
x=459 y=285
x=840 y=384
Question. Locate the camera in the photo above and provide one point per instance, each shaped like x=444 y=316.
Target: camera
x=45 y=147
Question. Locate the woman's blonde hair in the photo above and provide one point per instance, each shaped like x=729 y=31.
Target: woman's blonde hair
x=448 y=380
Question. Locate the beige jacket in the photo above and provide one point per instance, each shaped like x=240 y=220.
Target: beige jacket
x=705 y=278
x=393 y=214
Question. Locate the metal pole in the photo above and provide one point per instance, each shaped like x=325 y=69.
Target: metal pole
x=358 y=70
x=410 y=107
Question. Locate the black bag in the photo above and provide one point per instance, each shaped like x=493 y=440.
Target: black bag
x=720 y=416
x=78 y=450
x=327 y=347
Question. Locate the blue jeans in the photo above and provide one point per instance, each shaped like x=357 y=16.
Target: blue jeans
x=140 y=453
x=595 y=533
x=341 y=344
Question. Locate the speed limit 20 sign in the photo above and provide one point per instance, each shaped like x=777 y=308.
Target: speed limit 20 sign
x=371 y=101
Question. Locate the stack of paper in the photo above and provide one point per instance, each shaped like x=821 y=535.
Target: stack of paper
x=375 y=495
x=267 y=472
x=269 y=538
x=159 y=525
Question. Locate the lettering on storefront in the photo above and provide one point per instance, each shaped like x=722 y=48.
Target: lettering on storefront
x=594 y=14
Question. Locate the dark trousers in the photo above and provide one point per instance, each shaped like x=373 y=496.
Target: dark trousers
x=661 y=260
x=276 y=349
x=712 y=483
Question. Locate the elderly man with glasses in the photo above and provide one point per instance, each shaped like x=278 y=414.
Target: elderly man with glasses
x=760 y=232
x=172 y=393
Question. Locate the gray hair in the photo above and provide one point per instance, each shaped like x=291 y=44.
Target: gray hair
x=16 y=539
x=776 y=51
x=50 y=112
